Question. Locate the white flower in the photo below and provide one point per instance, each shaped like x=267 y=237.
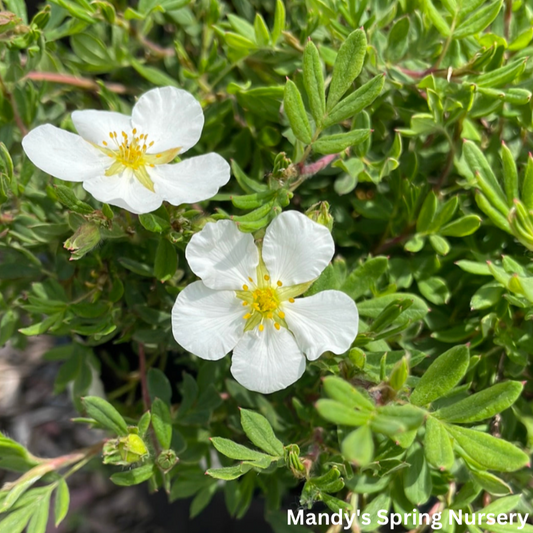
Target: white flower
x=123 y=160
x=246 y=301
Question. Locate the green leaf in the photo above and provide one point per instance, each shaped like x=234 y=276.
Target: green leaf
x=133 y=477
x=333 y=144
x=439 y=244
x=358 y=446
x=162 y=423
x=478 y=21
x=427 y=213
x=16 y=521
x=490 y=452
x=166 y=260
x=314 y=82
x=501 y=76
x=237 y=451
x=441 y=376
x=153 y=223
x=527 y=184
x=340 y=414
x=153 y=75
x=348 y=65
x=295 y=110
x=435 y=290
x=67 y=197
x=261 y=33
x=510 y=174
x=373 y=307
x=39 y=520
x=438 y=20
x=230 y=472
x=105 y=414
x=364 y=277
x=482 y=405
x=279 y=21
x=355 y=102
x=397 y=40
x=417 y=478
x=492 y=484
x=260 y=432
x=462 y=226
x=340 y=390
x=62 y=502
x=437 y=445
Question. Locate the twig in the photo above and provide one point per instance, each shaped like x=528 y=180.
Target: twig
x=82 y=83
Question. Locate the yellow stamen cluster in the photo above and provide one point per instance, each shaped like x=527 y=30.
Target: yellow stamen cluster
x=264 y=303
x=130 y=151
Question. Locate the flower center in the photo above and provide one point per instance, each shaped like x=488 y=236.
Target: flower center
x=129 y=152
x=264 y=300
x=264 y=304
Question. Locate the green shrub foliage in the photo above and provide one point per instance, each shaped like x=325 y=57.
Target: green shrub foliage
x=404 y=126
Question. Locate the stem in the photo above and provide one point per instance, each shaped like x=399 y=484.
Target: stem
x=82 y=83
x=18 y=119
x=446 y=44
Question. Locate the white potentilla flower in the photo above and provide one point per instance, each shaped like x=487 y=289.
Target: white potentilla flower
x=246 y=301
x=123 y=160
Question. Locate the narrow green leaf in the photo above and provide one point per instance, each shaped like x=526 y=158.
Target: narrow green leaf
x=462 y=226
x=340 y=414
x=427 y=213
x=105 y=414
x=262 y=35
x=348 y=65
x=358 y=446
x=133 y=477
x=417 y=478
x=478 y=21
x=364 y=277
x=237 y=451
x=334 y=144
x=314 y=82
x=501 y=76
x=166 y=260
x=488 y=451
x=162 y=423
x=438 y=20
x=355 y=102
x=260 y=432
x=279 y=21
x=441 y=376
x=230 y=472
x=482 y=405
x=527 y=184
x=340 y=390
x=62 y=502
x=437 y=445
x=295 y=110
x=39 y=520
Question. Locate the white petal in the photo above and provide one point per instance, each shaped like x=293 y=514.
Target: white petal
x=192 y=180
x=123 y=190
x=222 y=256
x=94 y=126
x=207 y=323
x=296 y=249
x=171 y=117
x=267 y=361
x=62 y=154
x=326 y=321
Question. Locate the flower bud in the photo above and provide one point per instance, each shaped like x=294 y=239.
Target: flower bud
x=8 y=21
x=167 y=460
x=292 y=458
x=86 y=237
x=320 y=213
x=125 y=450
